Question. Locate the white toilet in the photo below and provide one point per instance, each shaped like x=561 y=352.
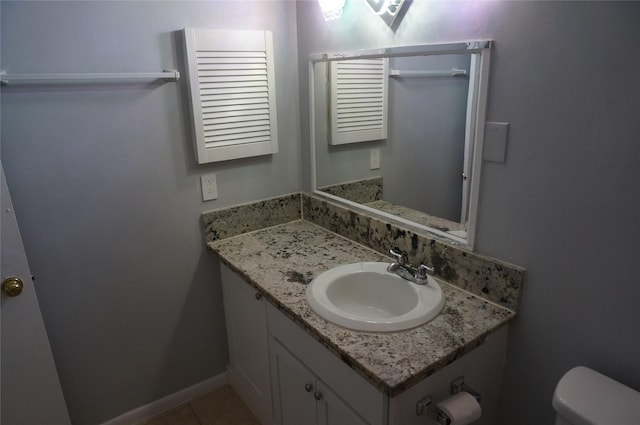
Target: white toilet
x=586 y=397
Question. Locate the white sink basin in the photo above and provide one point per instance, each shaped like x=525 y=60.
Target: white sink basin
x=365 y=297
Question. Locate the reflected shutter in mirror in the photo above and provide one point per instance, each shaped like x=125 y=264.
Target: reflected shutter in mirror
x=358 y=91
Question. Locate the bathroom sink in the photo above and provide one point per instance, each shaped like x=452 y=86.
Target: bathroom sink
x=365 y=297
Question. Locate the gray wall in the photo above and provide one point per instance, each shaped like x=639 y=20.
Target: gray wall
x=565 y=204
x=107 y=191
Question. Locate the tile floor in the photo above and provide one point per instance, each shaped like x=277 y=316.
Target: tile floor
x=220 y=407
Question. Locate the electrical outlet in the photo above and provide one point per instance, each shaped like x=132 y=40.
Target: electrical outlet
x=374 y=159
x=496 y=135
x=209 y=187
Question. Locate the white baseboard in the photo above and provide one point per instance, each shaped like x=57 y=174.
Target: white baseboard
x=169 y=402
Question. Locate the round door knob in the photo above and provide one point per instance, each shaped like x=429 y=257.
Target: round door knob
x=12 y=286
x=317 y=395
x=308 y=387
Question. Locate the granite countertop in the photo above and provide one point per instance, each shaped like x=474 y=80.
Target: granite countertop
x=280 y=261
x=417 y=216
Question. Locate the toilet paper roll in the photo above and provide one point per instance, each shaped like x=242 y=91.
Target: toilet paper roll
x=461 y=408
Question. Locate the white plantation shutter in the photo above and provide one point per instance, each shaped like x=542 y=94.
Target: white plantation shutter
x=231 y=80
x=358 y=100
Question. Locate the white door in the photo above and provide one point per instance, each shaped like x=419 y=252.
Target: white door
x=469 y=142
x=332 y=410
x=293 y=388
x=30 y=389
x=246 y=316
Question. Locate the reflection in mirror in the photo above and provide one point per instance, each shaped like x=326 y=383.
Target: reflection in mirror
x=402 y=140
x=390 y=11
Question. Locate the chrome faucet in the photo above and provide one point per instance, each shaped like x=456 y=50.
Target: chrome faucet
x=402 y=268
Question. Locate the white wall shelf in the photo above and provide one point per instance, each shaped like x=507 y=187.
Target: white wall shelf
x=453 y=72
x=169 y=75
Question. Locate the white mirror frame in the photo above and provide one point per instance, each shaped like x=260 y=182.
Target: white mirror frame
x=480 y=47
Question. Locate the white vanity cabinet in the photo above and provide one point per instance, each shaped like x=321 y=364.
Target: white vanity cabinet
x=304 y=369
x=293 y=388
x=339 y=398
x=287 y=377
x=300 y=397
x=247 y=336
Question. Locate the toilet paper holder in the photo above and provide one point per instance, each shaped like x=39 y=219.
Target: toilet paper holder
x=458 y=385
x=422 y=405
x=455 y=387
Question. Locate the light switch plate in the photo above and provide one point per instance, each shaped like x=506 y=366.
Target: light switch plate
x=209 y=187
x=374 y=159
x=496 y=135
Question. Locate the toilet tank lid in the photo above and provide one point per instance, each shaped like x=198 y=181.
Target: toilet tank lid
x=584 y=396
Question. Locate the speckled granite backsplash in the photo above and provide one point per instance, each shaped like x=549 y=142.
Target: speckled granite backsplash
x=232 y=221
x=486 y=277
x=360 y=191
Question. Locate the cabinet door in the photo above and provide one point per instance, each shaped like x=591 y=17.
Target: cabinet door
x=349 y=387
x=332 y=410
x=248 y=344
x=293 y=388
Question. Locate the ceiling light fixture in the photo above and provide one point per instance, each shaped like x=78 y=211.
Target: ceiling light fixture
x=331 y=9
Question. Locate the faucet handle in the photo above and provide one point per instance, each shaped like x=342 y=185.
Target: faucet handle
x=400 y=257
x=425 y=270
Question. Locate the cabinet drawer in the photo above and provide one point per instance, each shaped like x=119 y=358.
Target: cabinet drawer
x=356 y=391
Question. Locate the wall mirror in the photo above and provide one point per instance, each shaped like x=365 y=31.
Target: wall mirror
x=398 y=133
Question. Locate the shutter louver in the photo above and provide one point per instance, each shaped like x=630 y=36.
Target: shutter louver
x=234 y=114
x=358 y=100
x=234 y=97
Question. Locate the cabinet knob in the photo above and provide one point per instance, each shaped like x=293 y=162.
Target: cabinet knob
x=258 y=296
x=317 y=395
x=308 y=387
